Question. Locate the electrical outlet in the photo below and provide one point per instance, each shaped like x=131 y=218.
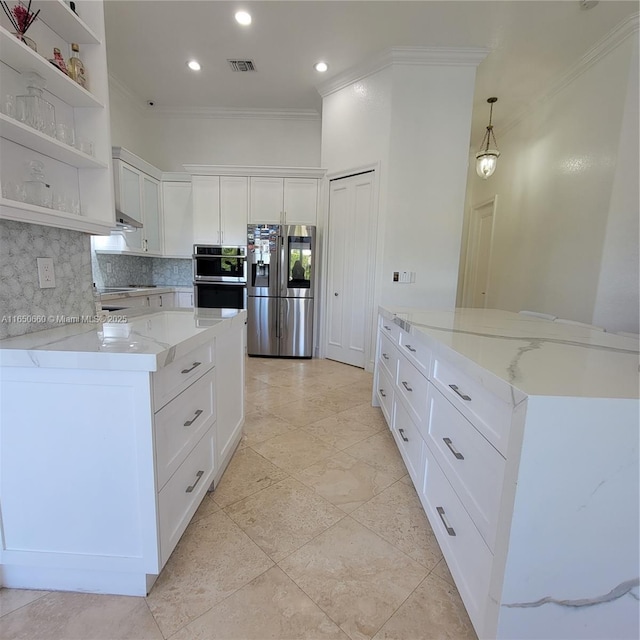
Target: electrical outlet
x=175 y=270
x=46 y=274
x=108 y=267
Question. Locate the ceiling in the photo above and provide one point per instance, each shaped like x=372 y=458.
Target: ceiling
x=531 y=44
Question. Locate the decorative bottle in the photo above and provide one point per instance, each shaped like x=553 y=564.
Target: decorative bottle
x=76 y=68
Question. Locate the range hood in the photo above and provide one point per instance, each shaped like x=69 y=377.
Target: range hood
x=125 y=222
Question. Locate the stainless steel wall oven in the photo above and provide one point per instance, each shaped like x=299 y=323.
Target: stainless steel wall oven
x=220 y=276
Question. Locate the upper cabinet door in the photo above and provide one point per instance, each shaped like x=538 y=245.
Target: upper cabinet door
x=152 y=231
x=266 y=200
x=129 y=200
x=234 y=206
x=300 y=200
x=206 y=210
x=177 y=215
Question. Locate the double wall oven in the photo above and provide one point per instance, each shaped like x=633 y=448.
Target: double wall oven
x=220 y=276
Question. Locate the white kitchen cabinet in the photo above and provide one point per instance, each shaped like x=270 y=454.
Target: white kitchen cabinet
x=102 y=475
x=283 y=200
x=73 y=174
x=522 y=486
x=177 y=210
x=220 y=210
x=184 y=299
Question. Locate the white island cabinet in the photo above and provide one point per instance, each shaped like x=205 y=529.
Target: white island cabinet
x=521 y=438
x=109 y=441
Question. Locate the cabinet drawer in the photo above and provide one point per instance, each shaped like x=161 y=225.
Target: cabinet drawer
x=490 y=414
x=388 y=356
x=473 y=467
x=390 y=329
x=181 y=423
x=467 y=556
x=384 y=390
x=416 y=352
x=412 y=386
x=181 y=496
x=410 y=443
x=169 y=381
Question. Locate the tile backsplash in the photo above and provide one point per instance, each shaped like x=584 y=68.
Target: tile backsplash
x=24 y=306
x=112 y=270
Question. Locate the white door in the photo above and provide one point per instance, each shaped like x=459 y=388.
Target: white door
x=152 y=231
x=130 y=201
x=177 y=215
x=234 y=205
x=206 y=209
x=349 y=268
x=476 y=283
x=300 y=200
x=266 y=200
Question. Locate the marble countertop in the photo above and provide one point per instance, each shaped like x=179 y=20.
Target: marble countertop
x=535 y=356
x=132 y=292
x=132 y=340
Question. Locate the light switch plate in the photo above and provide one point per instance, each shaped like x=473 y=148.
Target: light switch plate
x=46 y=274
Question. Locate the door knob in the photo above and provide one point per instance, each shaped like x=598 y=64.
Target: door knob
x=335 y=294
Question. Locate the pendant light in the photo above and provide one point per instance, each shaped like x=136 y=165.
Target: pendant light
x=487 y=159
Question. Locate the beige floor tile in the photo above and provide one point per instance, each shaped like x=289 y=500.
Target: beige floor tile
x=295 y=450
x=247 y=473
x=381 y=452
x=355 y=576
x=407 y=480
x=340 y=431
x=283 y=517
x=434 y=610
x=285 y=613
x=252 y=385
x=12 y=599
x=340 y=400
x=261 y=425
x=268 y=399
x=396 y=515
x=206 y=508
x=345 y=481
x=304 y=411
x=213 y=559
x=81 y=616
x=442 y=570
x=366 y=414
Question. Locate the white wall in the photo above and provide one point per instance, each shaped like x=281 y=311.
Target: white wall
x=561 y=245
x=128 y=128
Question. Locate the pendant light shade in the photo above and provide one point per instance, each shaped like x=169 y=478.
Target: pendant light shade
x=486 y=158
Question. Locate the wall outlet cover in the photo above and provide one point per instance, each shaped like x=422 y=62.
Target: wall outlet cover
x=46 y=274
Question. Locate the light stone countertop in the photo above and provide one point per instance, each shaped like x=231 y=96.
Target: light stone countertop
x=527 y=354
x=132 y=340
x=133 y=292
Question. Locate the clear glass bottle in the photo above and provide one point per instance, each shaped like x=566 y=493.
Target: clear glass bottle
x=33 y=109
x=76 y=67
x=37 y=191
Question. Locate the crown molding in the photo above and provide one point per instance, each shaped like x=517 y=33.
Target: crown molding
x=238 y=170
x=424 y=56
x=602 y=48
x=204 y=113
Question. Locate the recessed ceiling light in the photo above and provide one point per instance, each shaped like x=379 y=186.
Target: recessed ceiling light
x=321 y=66
x=194 y=65
x=243 y=17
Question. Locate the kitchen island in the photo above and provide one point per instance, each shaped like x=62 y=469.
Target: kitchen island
x=110 y=436
x=521 y=438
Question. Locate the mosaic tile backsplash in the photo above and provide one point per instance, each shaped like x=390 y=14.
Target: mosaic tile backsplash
x=112 y=270
x=24 y=307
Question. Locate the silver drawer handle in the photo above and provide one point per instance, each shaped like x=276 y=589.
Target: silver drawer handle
x=188 y=423
x=382 y=393
x=193 y=486
x=385 y=356
x=449 y=529
x=387 y=328
x=449 y=444
x=195 y=364
x=406 y=386
x=462 y=395
x=408 y=346
x=401 y=431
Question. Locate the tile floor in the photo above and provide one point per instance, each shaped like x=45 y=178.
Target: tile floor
x=314 y=532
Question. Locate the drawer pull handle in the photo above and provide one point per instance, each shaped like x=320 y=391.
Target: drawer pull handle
x=406 y=386
x=401 y=431
x=450 y=530
x=191 y=368
x=385 y=356
x=188 y=423
x=449 y=444
x=387 y=328
x=410 y=348
x=193 y=486
x=462 y=395
x=382 y=393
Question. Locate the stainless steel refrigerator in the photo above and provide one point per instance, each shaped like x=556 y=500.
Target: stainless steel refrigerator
x=280 y=289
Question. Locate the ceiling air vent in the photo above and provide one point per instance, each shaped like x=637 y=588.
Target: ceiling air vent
x=241 y=65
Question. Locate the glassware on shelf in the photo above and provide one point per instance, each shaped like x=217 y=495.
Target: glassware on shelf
x=33 y=109
x=9 y=105
x=86 y=146
x=12 y=190
x=66 y=134
x=37 y=191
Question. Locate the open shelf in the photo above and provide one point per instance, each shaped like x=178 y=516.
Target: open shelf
x=59 y=18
